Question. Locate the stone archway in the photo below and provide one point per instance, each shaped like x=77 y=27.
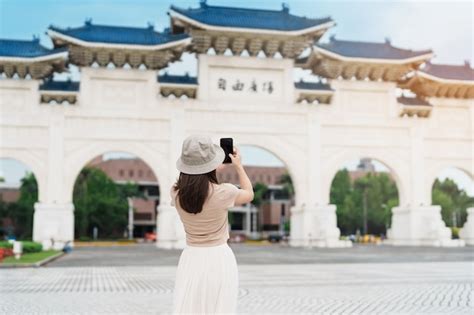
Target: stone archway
x=21 y=220
x=37 y=166
x=436 y=168
x=75 y=162
x=392 y=159
x=364 y=196
x=455 y=216
x=54 y=222
x=105 y=190
x=397 y=169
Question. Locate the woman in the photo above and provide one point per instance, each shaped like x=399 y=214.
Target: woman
x=207 y=275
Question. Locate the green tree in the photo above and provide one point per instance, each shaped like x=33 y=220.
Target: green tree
x=26 y=202
x=288 y=188
x=376 y=192
x=341 y=195
x=453 y=201
x=101 y=203
x=20 y=213
x=259 y=190
x=341 y=186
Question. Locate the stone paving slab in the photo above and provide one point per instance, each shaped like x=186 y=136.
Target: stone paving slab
x=372 y=288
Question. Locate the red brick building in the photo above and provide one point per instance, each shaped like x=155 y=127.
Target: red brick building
x=9 y=192
x=275 y=209
x=262 y=174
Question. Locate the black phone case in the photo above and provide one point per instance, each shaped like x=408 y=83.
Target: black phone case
x=228 y=146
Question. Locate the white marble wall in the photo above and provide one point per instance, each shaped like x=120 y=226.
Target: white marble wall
x=122 y=110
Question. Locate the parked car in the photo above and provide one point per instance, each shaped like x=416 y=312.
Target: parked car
x=237 y=238
x=150 y=236
x=274 y=237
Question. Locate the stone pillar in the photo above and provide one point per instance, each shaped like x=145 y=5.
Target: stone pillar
x=255 y=234
x=297 y=232
x=53 y=221
x=314 y=223
x=315 y=227
x=53 y=225
x=467 y=231
x=180 y=234
x=254 y=222
x=248 y=214
x=419 y=223
x=420 y=226
x=171 y=234
x=325 y=232
x=166 y=237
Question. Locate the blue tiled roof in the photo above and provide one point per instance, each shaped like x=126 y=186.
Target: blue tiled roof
x=249 y=18
x=177 y=79
x=25 y=48
x=450 y=72
x=358 y=49
x=69 y=86
x=312 y=86
x=119 y=34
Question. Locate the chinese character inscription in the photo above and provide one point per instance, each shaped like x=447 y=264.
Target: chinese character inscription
x=252 y=86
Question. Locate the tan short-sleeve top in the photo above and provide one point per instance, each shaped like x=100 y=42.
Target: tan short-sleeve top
x=210 y=226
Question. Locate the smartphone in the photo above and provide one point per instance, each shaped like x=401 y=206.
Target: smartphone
x=228 y=145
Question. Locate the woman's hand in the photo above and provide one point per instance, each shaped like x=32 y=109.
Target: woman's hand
x=236 y=158
x=246 y=193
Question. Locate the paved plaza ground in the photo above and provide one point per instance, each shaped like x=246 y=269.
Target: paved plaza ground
x=149 y=255
x=273 y=280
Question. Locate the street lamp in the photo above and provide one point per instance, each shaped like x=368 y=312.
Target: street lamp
x=384 y=207
x=130 y=218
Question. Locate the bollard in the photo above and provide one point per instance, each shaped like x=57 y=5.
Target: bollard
x=17 y=249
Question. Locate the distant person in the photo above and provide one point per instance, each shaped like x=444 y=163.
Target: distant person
x=67 y=247
x=207 y=276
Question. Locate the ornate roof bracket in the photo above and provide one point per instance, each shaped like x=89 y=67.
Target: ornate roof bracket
x=428 y=88
x=84 y=56
x=59 y=92
x=23 y=58
x=37 y=70
x=251 y=30
x=347 y=70
x=48 y=97
x=104 y=44
x=362 y=60
x=252 y=43
x=438 y=80
x=178 y=85
x=178 y=90
x=314 y=97
x=413 y=107
x=313 y=93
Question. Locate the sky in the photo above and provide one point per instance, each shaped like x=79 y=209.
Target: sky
x=446 y=27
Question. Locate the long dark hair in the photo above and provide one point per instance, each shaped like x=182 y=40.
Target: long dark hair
x=193 y=190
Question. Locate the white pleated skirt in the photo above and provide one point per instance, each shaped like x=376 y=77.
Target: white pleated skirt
x=207 y=281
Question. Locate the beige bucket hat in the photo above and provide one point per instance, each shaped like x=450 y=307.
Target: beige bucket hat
x=199 y=155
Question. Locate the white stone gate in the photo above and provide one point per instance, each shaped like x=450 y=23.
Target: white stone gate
x=314 y=128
